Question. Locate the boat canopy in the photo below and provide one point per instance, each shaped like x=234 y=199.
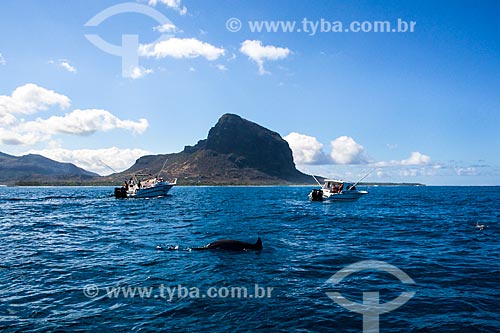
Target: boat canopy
x=339 y=184
x=337 y=181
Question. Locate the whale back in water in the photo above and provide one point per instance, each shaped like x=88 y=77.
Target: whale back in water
x=231 y=245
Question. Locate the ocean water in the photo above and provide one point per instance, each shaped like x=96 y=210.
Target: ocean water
x=72 y=257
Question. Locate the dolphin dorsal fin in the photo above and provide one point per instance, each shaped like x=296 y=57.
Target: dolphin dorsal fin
x=258 y=244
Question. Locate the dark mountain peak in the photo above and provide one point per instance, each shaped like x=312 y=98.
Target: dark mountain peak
x=229 y=117
x=233 y=132
x=236 y=151
x=249 y=145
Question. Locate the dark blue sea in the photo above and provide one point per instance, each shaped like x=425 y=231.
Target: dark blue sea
x=76 y=259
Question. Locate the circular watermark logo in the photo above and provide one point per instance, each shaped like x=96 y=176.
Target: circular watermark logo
x=233 y=24
x=129 y=49
x=371 y=307
x=91 y=291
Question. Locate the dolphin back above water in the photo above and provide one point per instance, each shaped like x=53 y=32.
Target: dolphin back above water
x=231 y=245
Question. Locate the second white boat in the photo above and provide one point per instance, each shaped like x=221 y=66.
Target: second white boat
x=339 y=190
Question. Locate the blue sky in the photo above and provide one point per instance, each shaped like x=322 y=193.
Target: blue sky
x=414 y=106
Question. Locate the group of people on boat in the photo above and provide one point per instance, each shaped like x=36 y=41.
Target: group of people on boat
x=150 y=182
x=337 y=188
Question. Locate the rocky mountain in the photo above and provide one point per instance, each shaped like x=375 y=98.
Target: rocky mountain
x=36 y=169
x=236 y=151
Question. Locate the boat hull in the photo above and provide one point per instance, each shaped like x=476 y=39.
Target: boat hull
x=160 y=189
x=343 y=196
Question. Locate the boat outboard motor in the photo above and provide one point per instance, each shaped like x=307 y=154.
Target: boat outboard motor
x=317 y=195
x=120 y=192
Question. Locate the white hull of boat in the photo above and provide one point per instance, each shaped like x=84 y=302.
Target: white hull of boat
x=160 y=189
x=145 y=189
x=344 y=196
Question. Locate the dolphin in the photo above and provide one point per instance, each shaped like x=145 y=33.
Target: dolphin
x=231 y=245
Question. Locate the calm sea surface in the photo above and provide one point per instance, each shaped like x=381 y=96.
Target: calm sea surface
x=76 y=259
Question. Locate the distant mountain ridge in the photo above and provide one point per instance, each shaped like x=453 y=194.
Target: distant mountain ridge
x=37 y=168
x=236 y=151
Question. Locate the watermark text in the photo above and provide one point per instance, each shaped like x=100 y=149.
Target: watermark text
x=171 y=293
x=313 y=27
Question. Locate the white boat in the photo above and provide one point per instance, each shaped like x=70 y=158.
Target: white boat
x=337 y=190
x=144 y=186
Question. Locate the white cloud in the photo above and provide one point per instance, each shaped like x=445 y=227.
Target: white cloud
x=29 y=99
x=347 y=151
x=466 y=171
x=416 y=158
x=91 y=159
x=259 y=53
x=2 y=60
x=174 y=4
x=181 y=48
x=167 y=27
x=221 y=67
x=138 y=72
x=306 y=149
x=67 y=66
x=82 y=122
x=64 y=64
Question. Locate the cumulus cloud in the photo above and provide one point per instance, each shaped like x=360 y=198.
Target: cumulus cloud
x=259 y=53
x=306 y=149
x=344 y=150
x=416 y=158
x=2 y=60
x=82 y=122
x=221 y=67
x=181 y=48
x=67 y=66
x=466 y=171
x=167 y=27
x=77 y=122
x=92 y=159
x=173 y=4
x=138 y=72
x=64 y=64
x=31 y=98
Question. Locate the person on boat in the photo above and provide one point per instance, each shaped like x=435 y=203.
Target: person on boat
x=341 y=187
